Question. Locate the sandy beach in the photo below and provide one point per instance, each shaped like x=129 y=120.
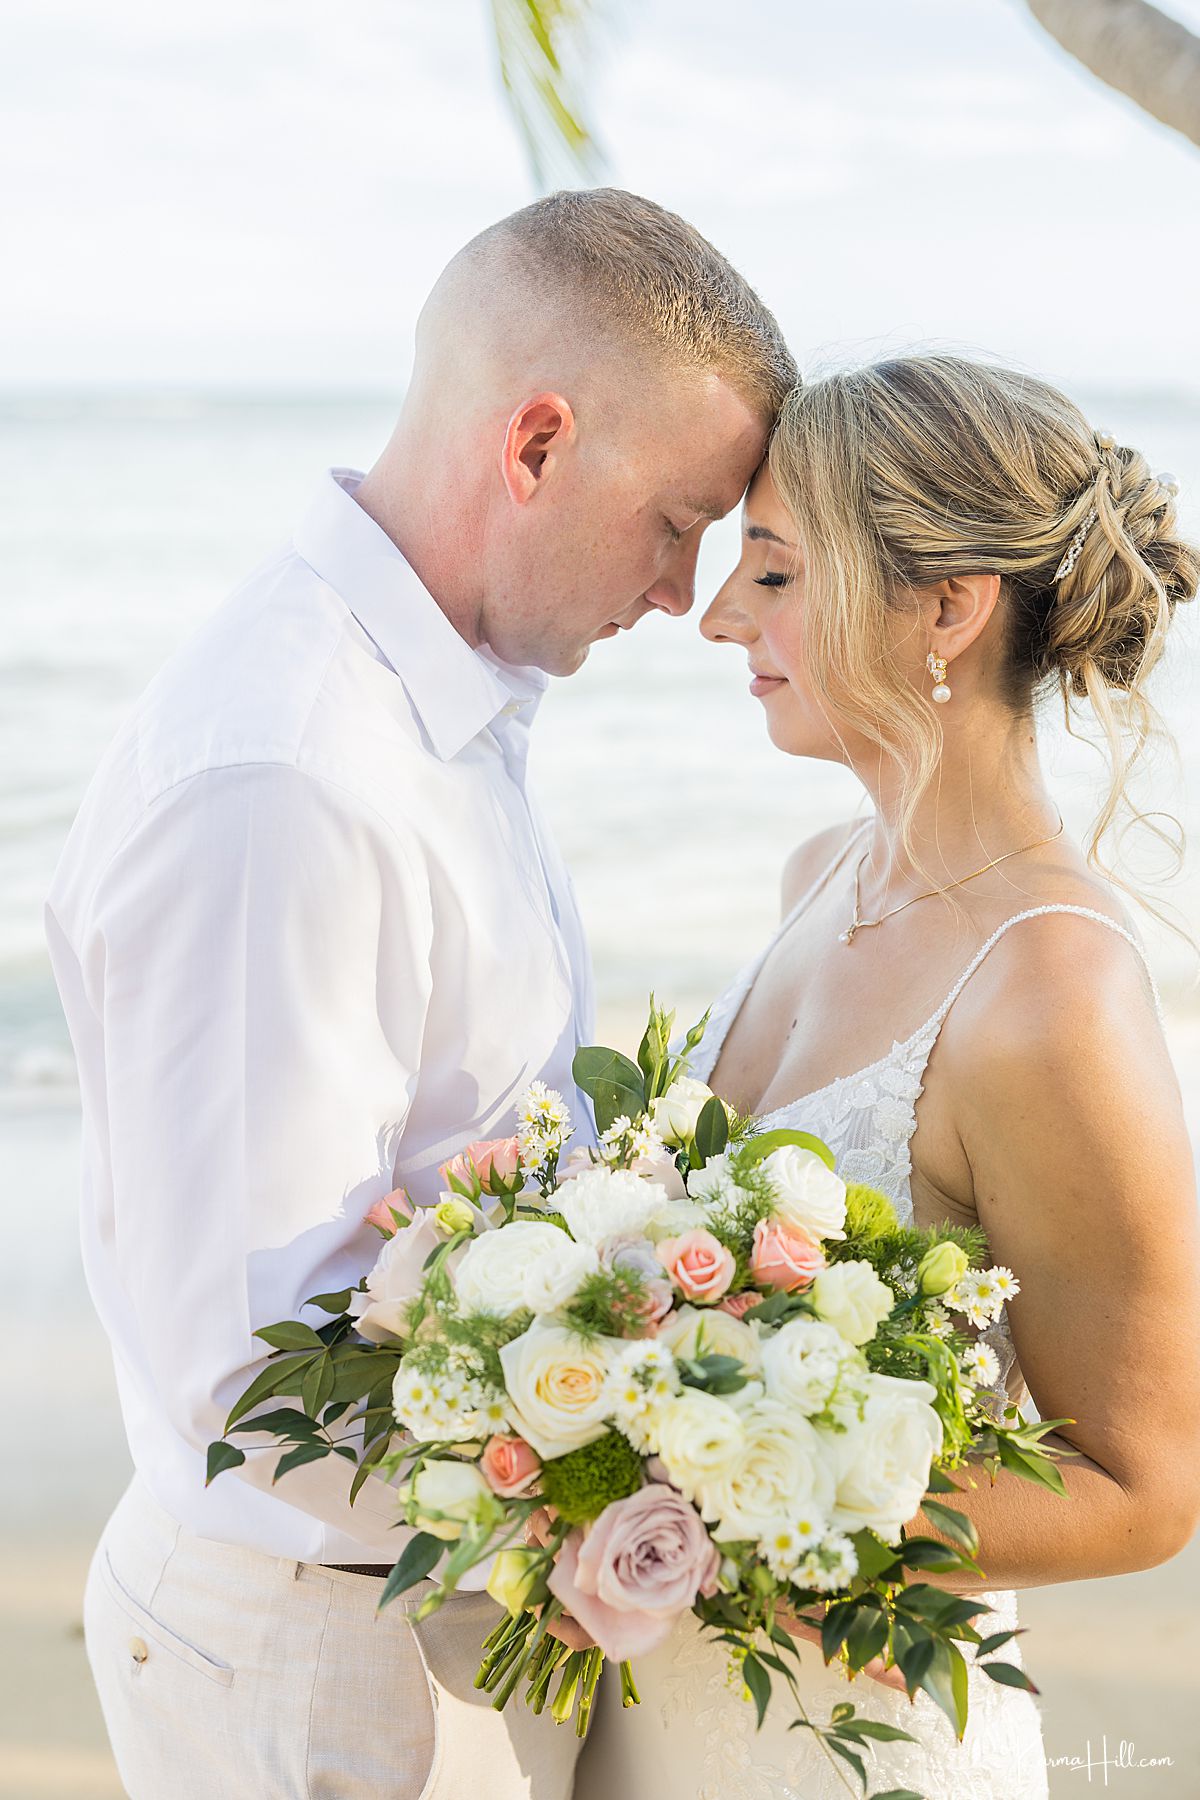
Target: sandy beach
x=1116 y=1660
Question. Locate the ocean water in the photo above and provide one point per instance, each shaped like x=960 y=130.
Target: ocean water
x=127 y=517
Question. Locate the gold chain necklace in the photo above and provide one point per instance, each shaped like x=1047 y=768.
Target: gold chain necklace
x=858 y=923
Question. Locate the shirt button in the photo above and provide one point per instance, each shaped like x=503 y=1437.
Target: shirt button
x=512 y=709
x=138 y=1649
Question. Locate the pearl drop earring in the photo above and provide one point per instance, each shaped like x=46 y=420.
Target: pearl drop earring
x=937 y=667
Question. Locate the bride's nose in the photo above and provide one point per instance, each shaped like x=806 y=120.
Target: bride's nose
x=725 y=621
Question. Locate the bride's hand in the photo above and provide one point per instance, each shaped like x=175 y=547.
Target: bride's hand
x=877 y=1669
x=539 y=1529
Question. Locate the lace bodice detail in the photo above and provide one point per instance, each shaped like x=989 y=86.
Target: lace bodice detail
x=868 y=1118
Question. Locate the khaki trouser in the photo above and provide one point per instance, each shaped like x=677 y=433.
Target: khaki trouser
x=226 y=1674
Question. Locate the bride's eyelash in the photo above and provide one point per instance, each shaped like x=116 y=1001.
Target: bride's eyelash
x=772 y=581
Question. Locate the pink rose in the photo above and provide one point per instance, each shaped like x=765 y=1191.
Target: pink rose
x=459 y=1176
x=381 y=1214
x=637 y=1571
x=782 y=1258
x=738 y=1305
x=494 y=1156
x=699 y=1265
x=509 y=1465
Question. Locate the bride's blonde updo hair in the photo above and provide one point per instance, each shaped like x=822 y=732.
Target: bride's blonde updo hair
x=904 y=472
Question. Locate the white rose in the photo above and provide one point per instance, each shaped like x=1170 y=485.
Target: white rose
x=556 y=1386
x=804 y=1362
x=781 y=1470
x=455 y=1488
x=603 y=1203
x=881 y=1460
x=395 y=1281
x=528 y=1263
x=810 y=1197
x=698 y=1436
x=674 y=1114
x=850 y=1296
x=723 y=1335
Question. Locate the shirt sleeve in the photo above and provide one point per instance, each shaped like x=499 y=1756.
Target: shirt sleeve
x=258 y=953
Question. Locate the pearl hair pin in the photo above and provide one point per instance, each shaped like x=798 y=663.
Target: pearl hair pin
x=1075 y=547
x=1166 y=478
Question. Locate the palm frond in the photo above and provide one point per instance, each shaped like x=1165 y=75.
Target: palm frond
x=545 y=49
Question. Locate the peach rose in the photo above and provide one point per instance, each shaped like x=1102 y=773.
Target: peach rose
x=782 y=1258
x=698 y=1263
x=494 y=1156
x=509 y=1465
x=382 y=1213
x=738 y=1305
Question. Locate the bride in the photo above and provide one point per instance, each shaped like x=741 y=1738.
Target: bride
x=955 y=1000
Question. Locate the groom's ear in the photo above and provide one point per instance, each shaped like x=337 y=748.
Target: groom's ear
x=537 y=434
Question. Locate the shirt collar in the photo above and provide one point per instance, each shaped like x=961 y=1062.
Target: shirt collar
x=456 y=691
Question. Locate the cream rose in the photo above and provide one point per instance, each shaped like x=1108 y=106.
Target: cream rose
x=782 y=1469
x=851 y=1297
x=674 y=1114
x=805 y=1362
x=697 y=1436
x=555 y=1381
x=456 y=1490
x=809 y=1196
x=723 y=1335
x=529 y=1263
x=881 y=1460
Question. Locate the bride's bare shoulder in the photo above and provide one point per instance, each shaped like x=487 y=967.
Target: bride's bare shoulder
x=809 y=860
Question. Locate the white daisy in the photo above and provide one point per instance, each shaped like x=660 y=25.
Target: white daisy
x=979 y=1366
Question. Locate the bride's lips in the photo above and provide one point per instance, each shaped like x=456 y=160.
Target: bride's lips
x=762 y=685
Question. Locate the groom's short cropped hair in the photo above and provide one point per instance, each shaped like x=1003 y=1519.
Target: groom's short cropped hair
x=650 y=279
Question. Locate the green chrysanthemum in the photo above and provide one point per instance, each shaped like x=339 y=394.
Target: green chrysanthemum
x=869 y=1214
x=581 y=1484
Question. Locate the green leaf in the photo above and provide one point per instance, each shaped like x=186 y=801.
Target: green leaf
x=914 y=1663
x=356 y=1372
x=711 y=1134
x=713 y=1373
x=897 y=1794
x=596 y=1070
x=873 y=1556
x=317 y=1388
x=883 y=1734
x=937 y=1607
x=759 y=1684
x=940 y=1483
x=986 y=1645
x=956 y=1525
x=420 y=1555
x=841 y=1713
x=290 y=1334
x=1032 y=1465
x=284 y=1422
x=762 y=1145
x=294 y=1459
x=276 y=1378
x=371 y=1458
x=931 y=1553
x=1008 y=1675
x=332 y=1303
x=333 y=1413
x=847 y=1755
x=835 y=1626
x=945 y=1682
x=866 y=1637
x=222 y=1456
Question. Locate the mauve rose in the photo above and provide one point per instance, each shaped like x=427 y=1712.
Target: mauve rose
x=509 y=1465
x=738 y=1305
x=380 y=1214
x=698 y=1263
x=637 y=1570
x=783 y=1259
x=639 y=1256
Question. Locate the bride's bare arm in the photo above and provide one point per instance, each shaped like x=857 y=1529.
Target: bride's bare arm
x=1060 y=1118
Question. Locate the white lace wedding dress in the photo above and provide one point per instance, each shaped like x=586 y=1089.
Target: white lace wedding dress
x=693 y=1737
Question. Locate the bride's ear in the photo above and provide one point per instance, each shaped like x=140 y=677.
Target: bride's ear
x=955 y=612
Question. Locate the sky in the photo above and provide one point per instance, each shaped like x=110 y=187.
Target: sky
x=258 y=193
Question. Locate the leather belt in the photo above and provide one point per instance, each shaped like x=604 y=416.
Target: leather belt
x=380 y=1569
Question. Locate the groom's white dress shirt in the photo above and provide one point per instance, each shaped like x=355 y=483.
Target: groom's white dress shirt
x=311 y=938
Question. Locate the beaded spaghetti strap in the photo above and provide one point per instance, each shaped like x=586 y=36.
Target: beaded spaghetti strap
x=1038 y=912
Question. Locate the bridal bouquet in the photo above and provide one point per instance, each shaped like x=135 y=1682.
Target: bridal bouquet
x=726 y=1380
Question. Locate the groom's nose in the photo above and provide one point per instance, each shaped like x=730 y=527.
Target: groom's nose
x=675 y=590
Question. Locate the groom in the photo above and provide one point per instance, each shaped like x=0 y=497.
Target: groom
x=312 y=936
